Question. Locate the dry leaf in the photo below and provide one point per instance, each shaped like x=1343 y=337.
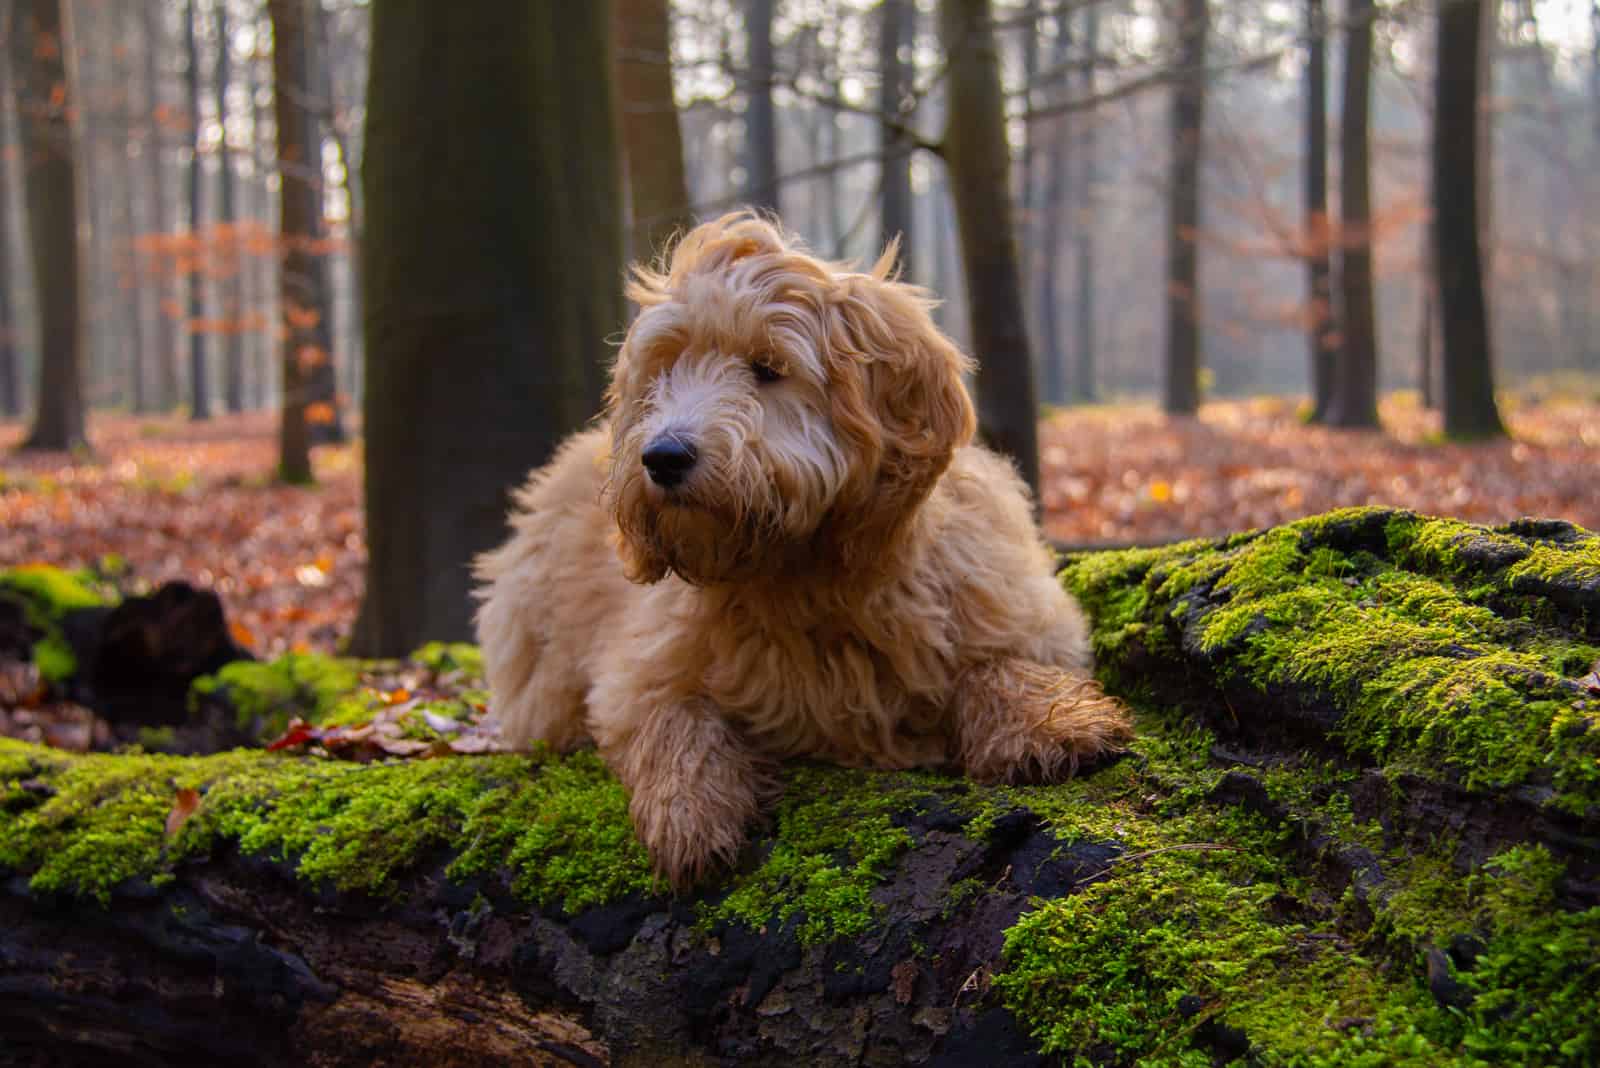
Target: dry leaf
x=183 y=806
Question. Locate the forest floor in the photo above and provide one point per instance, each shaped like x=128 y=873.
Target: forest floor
x=166 y=499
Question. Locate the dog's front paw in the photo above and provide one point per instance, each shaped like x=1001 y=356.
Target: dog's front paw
x=1021 y=721
x=689 y=834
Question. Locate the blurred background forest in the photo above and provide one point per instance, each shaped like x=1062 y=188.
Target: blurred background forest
x=1223 y=263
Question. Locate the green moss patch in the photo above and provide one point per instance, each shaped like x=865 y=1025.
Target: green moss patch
x=266 y=695
x=46 y=595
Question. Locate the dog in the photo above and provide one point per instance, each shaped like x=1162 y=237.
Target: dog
x=781 y=541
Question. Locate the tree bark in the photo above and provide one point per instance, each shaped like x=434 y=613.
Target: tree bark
x=1322 y=333
x=1083 y=378
x=10 y=360
x=229 y=258
x=1355 y=393
x=652 y=143
x=897 y=29
x=1181 y=381
x=165 y=313
x=979 y=162
x=760 y=118
x=47 y=104
x=199 y=376
x=485 y=330
x=1467 y=362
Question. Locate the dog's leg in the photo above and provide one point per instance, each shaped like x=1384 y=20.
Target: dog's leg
x=694 y=785
x=1021 y=721
x=534 y=697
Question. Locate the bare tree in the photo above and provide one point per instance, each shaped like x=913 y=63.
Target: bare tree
x=154 y=156
x=1469 y=403
x=199 y=380
x=10 y=361
x=1181 y=381
x=46 y=106
x=1321 y=339
x=485 y=330
x=1083 y=380
x=658 y=193
x=1354 y=402
x=979 y=163
x=760 y=118
x=232 y=290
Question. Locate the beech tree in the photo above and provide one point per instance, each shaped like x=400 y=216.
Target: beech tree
x=979 y=162
x=484 y=328
x=1181 y=382
x=760 y=118
x=1354 y=402
x=1321 y=337
x=1469 y=404
x=199 y=378
x=46 y=106
x=658 y=193
x=897 y=25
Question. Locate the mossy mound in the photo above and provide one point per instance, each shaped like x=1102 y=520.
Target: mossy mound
x=1360 y=825
x=35 y=601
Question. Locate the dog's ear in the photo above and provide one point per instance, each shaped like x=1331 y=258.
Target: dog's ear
x=640 y=562
x=895 y=384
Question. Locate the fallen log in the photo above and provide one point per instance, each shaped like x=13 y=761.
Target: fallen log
x=1360 y=824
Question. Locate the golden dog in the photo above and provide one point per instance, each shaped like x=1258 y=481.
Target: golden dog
x=782 y=542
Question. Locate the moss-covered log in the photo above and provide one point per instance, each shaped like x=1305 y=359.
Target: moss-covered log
x=1360 y=825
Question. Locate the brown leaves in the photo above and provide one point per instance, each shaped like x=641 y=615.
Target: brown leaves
x=184 y=805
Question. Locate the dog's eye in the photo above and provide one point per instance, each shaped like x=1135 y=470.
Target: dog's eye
x=765 y=372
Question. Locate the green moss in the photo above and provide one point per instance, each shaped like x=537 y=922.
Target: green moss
x=444 y=657
x=835 y=842
x=46 y=595
x=54 y=658
x=266 y=695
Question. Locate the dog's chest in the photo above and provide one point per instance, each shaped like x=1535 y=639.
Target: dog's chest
x=828 y=689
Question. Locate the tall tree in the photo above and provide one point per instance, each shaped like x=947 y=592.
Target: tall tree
x=484 y=329
x=199 y=380
x=307 y=346
x=46 y=107
x=1354 y=402
x=979 y=162
x=658 y=193
x=897 y=29
x=1181 y=380
x=229 y=264
x=760 y=117
x=1083 y=380
x=1469 y=403
x=10 y=360
x=165 y=341
x=1322 y=339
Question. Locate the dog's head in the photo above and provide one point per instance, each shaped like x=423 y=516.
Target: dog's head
x=770 y=410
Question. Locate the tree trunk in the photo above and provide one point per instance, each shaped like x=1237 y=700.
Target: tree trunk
x=1181 y=381
x=1083 y=379
x=10 y=360
x=1322 y=340
x=342 y=341
x=307 y=353
x=652 y=144
x=485 y=330
x=1355 y=390
x=760 y=119
x=165 y=309
x=229 y=257
x=46 y=109
x=1047 y=194
x=897 y=29
x=979 y=162
x=1467 y=362
x=199 y=378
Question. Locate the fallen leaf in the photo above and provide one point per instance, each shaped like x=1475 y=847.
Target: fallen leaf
x=183 y=806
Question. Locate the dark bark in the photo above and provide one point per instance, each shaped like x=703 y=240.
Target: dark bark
x=1045 y=159
x=1354 y=402
x=132 y=274
x=344 y=342
x=979 y=163
x=199 y=370
x=10 y=359
x=485 y=330
x=897 y=29
x=165 y=338
x=229 y=263
x=1466 y=359
x=309 y=409
x=46 y=105
x=1321 y=340
x=1181 y=378
x=652 y=143
x=760 y=118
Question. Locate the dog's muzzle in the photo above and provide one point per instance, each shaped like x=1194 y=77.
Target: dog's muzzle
x=669 y=459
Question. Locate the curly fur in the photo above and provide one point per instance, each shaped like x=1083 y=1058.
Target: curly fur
x=842 y=574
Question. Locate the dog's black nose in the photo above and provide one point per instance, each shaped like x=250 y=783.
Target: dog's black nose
x=668 y=459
